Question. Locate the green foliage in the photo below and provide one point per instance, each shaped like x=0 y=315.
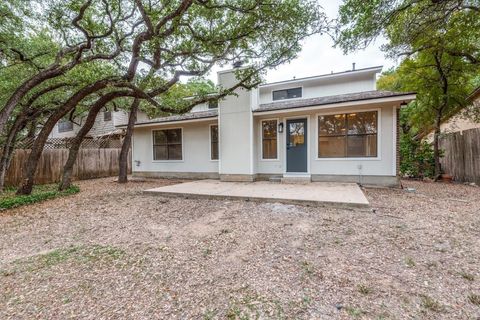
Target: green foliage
x=417 y=160
x=10 y=200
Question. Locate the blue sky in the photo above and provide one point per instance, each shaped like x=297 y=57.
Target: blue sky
x=318 y=56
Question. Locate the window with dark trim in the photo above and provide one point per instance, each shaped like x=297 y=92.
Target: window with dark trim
x=107 y=116
x=348 y=135
x=167 y=144
x=213 y=104
x=287 y=94
x=65 y=126
x=269 y=139
x=214 y=142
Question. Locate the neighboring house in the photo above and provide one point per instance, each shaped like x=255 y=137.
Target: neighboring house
x=106 y=124
x=333 y=127
x=459 y=122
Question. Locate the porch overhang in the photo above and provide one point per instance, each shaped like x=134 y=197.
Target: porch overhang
x=347 y=100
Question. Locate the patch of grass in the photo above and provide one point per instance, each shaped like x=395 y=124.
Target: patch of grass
x=354 y=312
x=307 y=267
x=9 y=200
x=431 y=304
x=467 y=276
x=474 y=299
x=410 y=262
x=79 y=253
x=364 y=289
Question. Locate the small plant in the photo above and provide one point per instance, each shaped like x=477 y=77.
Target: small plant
x=354 y=312
x=410 y=262
x=364 y=289
x=307 y=267
x=474 y=299
x=429 y=303
x=467 y=276
x=206 y=252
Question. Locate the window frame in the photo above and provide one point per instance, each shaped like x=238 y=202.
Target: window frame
x=210 y=140
x=261 y=140
x=152 y=145
x=61 y=121
x=343 y=111
x=286 y=89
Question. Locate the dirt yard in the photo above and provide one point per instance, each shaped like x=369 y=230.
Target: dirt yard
x=112 y=252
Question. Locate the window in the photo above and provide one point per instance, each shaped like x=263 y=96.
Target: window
x=214 y=142
x=213 y=104
x=269 y=139
x=287 y=94
x=167 y=144
x=107 y=116
x=65 y=125
x=347 y=135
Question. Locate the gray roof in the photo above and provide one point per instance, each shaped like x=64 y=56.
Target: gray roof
x=181 y=117
x=349 y=97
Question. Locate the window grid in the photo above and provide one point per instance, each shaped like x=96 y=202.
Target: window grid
x=169 y=146
x=346 y=135
x=269 y=140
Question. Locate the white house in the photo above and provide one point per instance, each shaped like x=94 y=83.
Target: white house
x=333 y=127
x=106 y=123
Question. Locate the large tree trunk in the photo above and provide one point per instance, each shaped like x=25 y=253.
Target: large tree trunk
x=89 y=122
x=9 y=146
x=127 y=142
x=37 y=148
x=436 y=146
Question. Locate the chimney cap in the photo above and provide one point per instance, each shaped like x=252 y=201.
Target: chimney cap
x=353 y=66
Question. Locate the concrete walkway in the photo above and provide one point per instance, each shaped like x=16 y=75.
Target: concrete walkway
x=315 y=193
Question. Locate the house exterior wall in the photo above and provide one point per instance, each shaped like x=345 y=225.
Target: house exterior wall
x=196 y=162
x=235 y=132
x=383 y=165
x=349 y=83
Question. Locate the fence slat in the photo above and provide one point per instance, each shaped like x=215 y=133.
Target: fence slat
x=91 y=163
x=462 y=155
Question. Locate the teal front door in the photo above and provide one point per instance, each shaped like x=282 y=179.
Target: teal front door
x=297 y=145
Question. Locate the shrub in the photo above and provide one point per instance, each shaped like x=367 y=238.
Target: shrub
x=41 y=193
x=416 y=158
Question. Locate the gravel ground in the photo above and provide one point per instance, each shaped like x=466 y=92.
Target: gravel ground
x=112 y=252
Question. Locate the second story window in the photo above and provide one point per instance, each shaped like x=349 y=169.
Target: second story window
x=213 y=104
x=65 y=126
x=287 y=94
x=107 y=116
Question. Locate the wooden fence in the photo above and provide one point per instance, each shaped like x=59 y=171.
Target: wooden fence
x=462 y=155
x=91 y=163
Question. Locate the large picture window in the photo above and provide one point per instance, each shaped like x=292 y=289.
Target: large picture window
x=167 y=144
x=214 y=142
x=348 y=135
x=269 y=139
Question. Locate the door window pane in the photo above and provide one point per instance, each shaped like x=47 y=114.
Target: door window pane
x=297 y=133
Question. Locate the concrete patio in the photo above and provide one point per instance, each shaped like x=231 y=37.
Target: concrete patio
x=315 y=193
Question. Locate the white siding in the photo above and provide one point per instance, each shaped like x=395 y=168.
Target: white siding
x=196 y=150
x=349 y=83
x=235 y=130
x=383 y=165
